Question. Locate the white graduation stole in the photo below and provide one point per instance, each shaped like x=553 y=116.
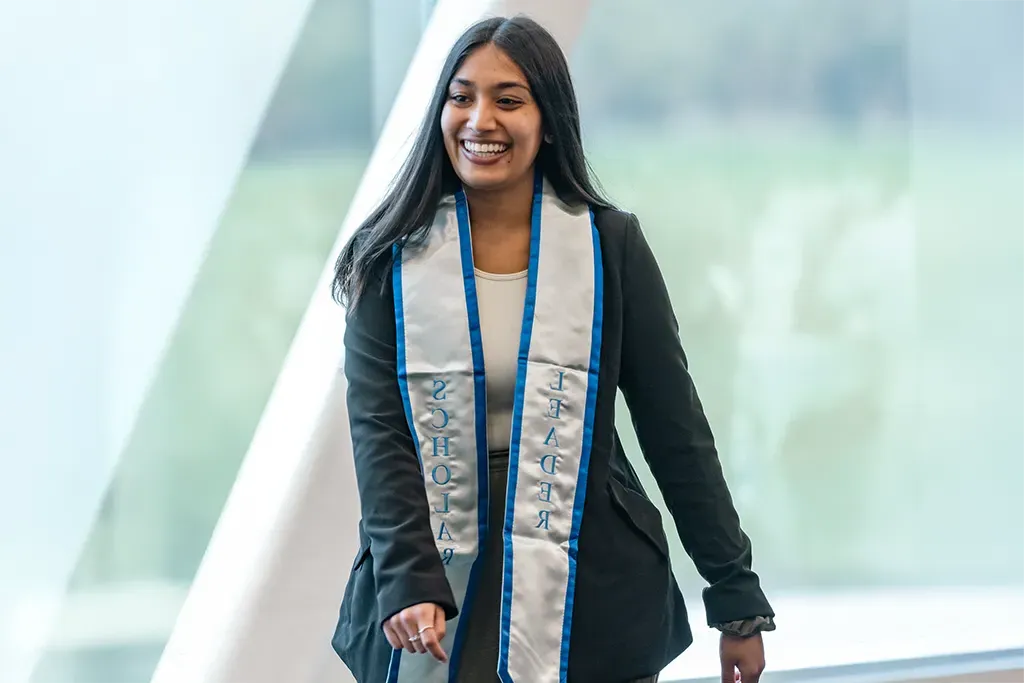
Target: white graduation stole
x=441 y=373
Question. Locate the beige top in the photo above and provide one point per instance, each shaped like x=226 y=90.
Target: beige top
x=500 y=299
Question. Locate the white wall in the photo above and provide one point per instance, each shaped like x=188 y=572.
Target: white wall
x=124 y=126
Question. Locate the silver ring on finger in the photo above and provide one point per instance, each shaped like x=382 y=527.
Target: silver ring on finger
x=420 y=632
x=413 y=639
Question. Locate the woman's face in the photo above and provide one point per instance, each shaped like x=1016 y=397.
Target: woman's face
x=490 y=122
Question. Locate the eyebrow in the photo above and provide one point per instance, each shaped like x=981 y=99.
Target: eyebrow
x=504 y=85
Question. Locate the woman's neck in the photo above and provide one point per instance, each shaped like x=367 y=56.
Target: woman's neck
x=500 y=225
x=499 y=210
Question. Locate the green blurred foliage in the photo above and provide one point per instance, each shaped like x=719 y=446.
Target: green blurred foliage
x=221 y=364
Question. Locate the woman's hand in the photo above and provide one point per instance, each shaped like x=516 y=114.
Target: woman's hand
x=744 y=654
x=419 y=628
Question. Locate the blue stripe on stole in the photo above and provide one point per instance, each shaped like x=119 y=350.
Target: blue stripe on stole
x=593 y=375
x=480 y=394
x=396 y=658
x=403 y=385
x=517 y=426
x=403 y=373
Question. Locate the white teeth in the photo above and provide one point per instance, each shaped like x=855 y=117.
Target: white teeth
x=485 y=148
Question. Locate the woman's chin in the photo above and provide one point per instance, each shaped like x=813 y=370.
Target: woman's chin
x=487 y=178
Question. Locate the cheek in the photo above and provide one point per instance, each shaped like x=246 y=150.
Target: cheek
x=449 y=125
x=528 y=132
x=449 y=130
x=529 y=139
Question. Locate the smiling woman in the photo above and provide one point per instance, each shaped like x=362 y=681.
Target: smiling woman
x=496 y=305
x=505 y=81
x=491 y=123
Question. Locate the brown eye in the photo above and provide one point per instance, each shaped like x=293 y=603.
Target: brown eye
x=458 y=98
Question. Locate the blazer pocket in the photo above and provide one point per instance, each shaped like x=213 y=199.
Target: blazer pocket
x=639 y=513
x=364 y=549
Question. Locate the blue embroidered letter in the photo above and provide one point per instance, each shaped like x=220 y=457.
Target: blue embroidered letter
x=439 y=386
x=447 y=472
x=554 y=461
x=561 y=376
x=554 y=407
x=443 y=532
x=543 y=514
x=445 y=503
x=551 y=435
x=545 y=493
x=446 y=555
x=444 y=439
x=444 y=417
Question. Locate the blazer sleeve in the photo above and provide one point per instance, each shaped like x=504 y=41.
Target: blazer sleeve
x=406 y=564
x=677 y=442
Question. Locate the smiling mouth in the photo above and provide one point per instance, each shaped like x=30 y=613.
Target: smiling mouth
x=485 y=150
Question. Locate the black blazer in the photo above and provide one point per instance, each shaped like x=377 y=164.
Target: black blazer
x=629 y=619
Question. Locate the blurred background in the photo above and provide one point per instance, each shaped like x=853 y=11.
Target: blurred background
x=834 y=191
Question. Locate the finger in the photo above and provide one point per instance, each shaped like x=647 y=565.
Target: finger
x=433 y=634
x=410 y=622
x=401 y=633
x=440 y=625
x=393 y=639
x=433 y=644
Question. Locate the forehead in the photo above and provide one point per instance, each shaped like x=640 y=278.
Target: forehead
x=488 y=65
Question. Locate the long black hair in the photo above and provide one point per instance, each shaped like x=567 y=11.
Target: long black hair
x=427 y=174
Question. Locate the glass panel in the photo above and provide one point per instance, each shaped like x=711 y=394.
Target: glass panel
x=202 y=406
x=833 y=189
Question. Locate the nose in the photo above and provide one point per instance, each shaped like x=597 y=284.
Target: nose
x=481 y=118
